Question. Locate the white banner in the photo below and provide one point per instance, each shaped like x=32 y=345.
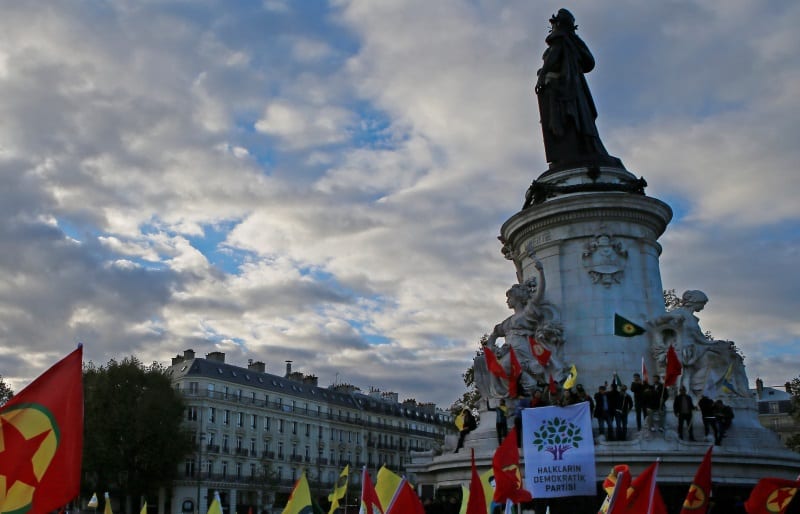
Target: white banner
x=559 y=451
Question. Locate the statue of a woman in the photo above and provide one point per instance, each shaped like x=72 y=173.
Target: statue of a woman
x=566 y=107
x=532 y=318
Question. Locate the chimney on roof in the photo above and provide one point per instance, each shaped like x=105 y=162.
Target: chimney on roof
x=177 y=359
x=216 y=356
x=759 y=387
x=288 y=368
x=256 y=366
x=188 y=354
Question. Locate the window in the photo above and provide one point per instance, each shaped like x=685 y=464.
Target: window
x=308 y=429
x=774 y=408
x=238 y=470
x=253 y=397
x=188 y=468
x=320 y=432
x=193 y=388
x=253 y=421
x=210 y=390
x=224 y=469
x=280 y=425
x=226 y=392
x=252 y=446
x=211 y=437
x=294 y=427
x=225 y=442
x=212 y=415
x=240 y=419
x=266 y=423
x=226 y=417
x=280 y=450
x=238 y=443
x=252 y=470
x=191 y=413
x=308 y=453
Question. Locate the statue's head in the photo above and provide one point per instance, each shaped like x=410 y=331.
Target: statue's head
x=563 y=19
x=519 y=294
x=696 y=299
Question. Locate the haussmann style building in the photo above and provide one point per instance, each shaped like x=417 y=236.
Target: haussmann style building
x=256 y=432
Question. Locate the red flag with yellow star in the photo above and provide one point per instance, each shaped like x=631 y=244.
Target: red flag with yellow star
x=696 y=501
x=771 y=496
x=41 y=440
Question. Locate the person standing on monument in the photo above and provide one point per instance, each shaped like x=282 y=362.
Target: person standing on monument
x=501 y=420
x=683 y=406
x=625 y=407
x=706 y=406
x=566 y=107
x=602 y=411
x=657 y=404
x=636 y=389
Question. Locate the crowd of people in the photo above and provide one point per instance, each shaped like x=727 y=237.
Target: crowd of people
x=612 y=405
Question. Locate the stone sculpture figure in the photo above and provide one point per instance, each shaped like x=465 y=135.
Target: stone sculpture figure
x=709 y=365
x=566 y=107
x=533 y=317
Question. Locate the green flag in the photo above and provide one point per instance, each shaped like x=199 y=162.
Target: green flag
x=626 y=328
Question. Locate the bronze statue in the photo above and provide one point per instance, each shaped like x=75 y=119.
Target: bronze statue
x=565 y=104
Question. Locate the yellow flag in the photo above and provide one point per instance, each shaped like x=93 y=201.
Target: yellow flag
x=459 y=421
x=386 y=486
x=144 y=509
x=300 y=499
x=216 y=505
x=569 y=383
x=107 y=508
x=340 y=489
x=487 y=481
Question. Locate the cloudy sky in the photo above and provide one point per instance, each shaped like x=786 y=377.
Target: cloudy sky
x=325 y=182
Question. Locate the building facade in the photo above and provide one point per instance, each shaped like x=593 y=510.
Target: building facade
x=256 y=432
x=775 y=410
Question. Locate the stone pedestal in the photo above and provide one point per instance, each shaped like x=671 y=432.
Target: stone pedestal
x=596 y=234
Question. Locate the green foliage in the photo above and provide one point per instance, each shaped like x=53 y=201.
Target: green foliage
x=5 y=392
x=471 y=396
x=133 y=438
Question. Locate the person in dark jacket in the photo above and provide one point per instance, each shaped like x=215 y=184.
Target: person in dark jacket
x=636 y=390
x=602 y=412
x=501 y=420
x=469 y=425
x=683 y=406
x=623 y=409
x=706 y=406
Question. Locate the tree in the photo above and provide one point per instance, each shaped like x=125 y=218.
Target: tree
x=5 y=392
x=472 y=396
x=133 y=438
x=793 y=388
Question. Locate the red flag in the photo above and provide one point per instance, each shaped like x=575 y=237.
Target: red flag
x=507 y=476
x=516 y=371
x=771 y=496
x=645 y=497
x=493 y=364
x=476 y=504
x=644 y=372
x=370 y=503
x=541 y=353
x=696 y=501
x=673 y=367
x=618 y=494
x=41 y=430
x=406 y=500
x=553 y=387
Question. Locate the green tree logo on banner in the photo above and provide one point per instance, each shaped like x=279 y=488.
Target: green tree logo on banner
x=556 y=436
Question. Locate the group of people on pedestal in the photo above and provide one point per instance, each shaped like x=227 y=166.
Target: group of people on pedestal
x=612 y=405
